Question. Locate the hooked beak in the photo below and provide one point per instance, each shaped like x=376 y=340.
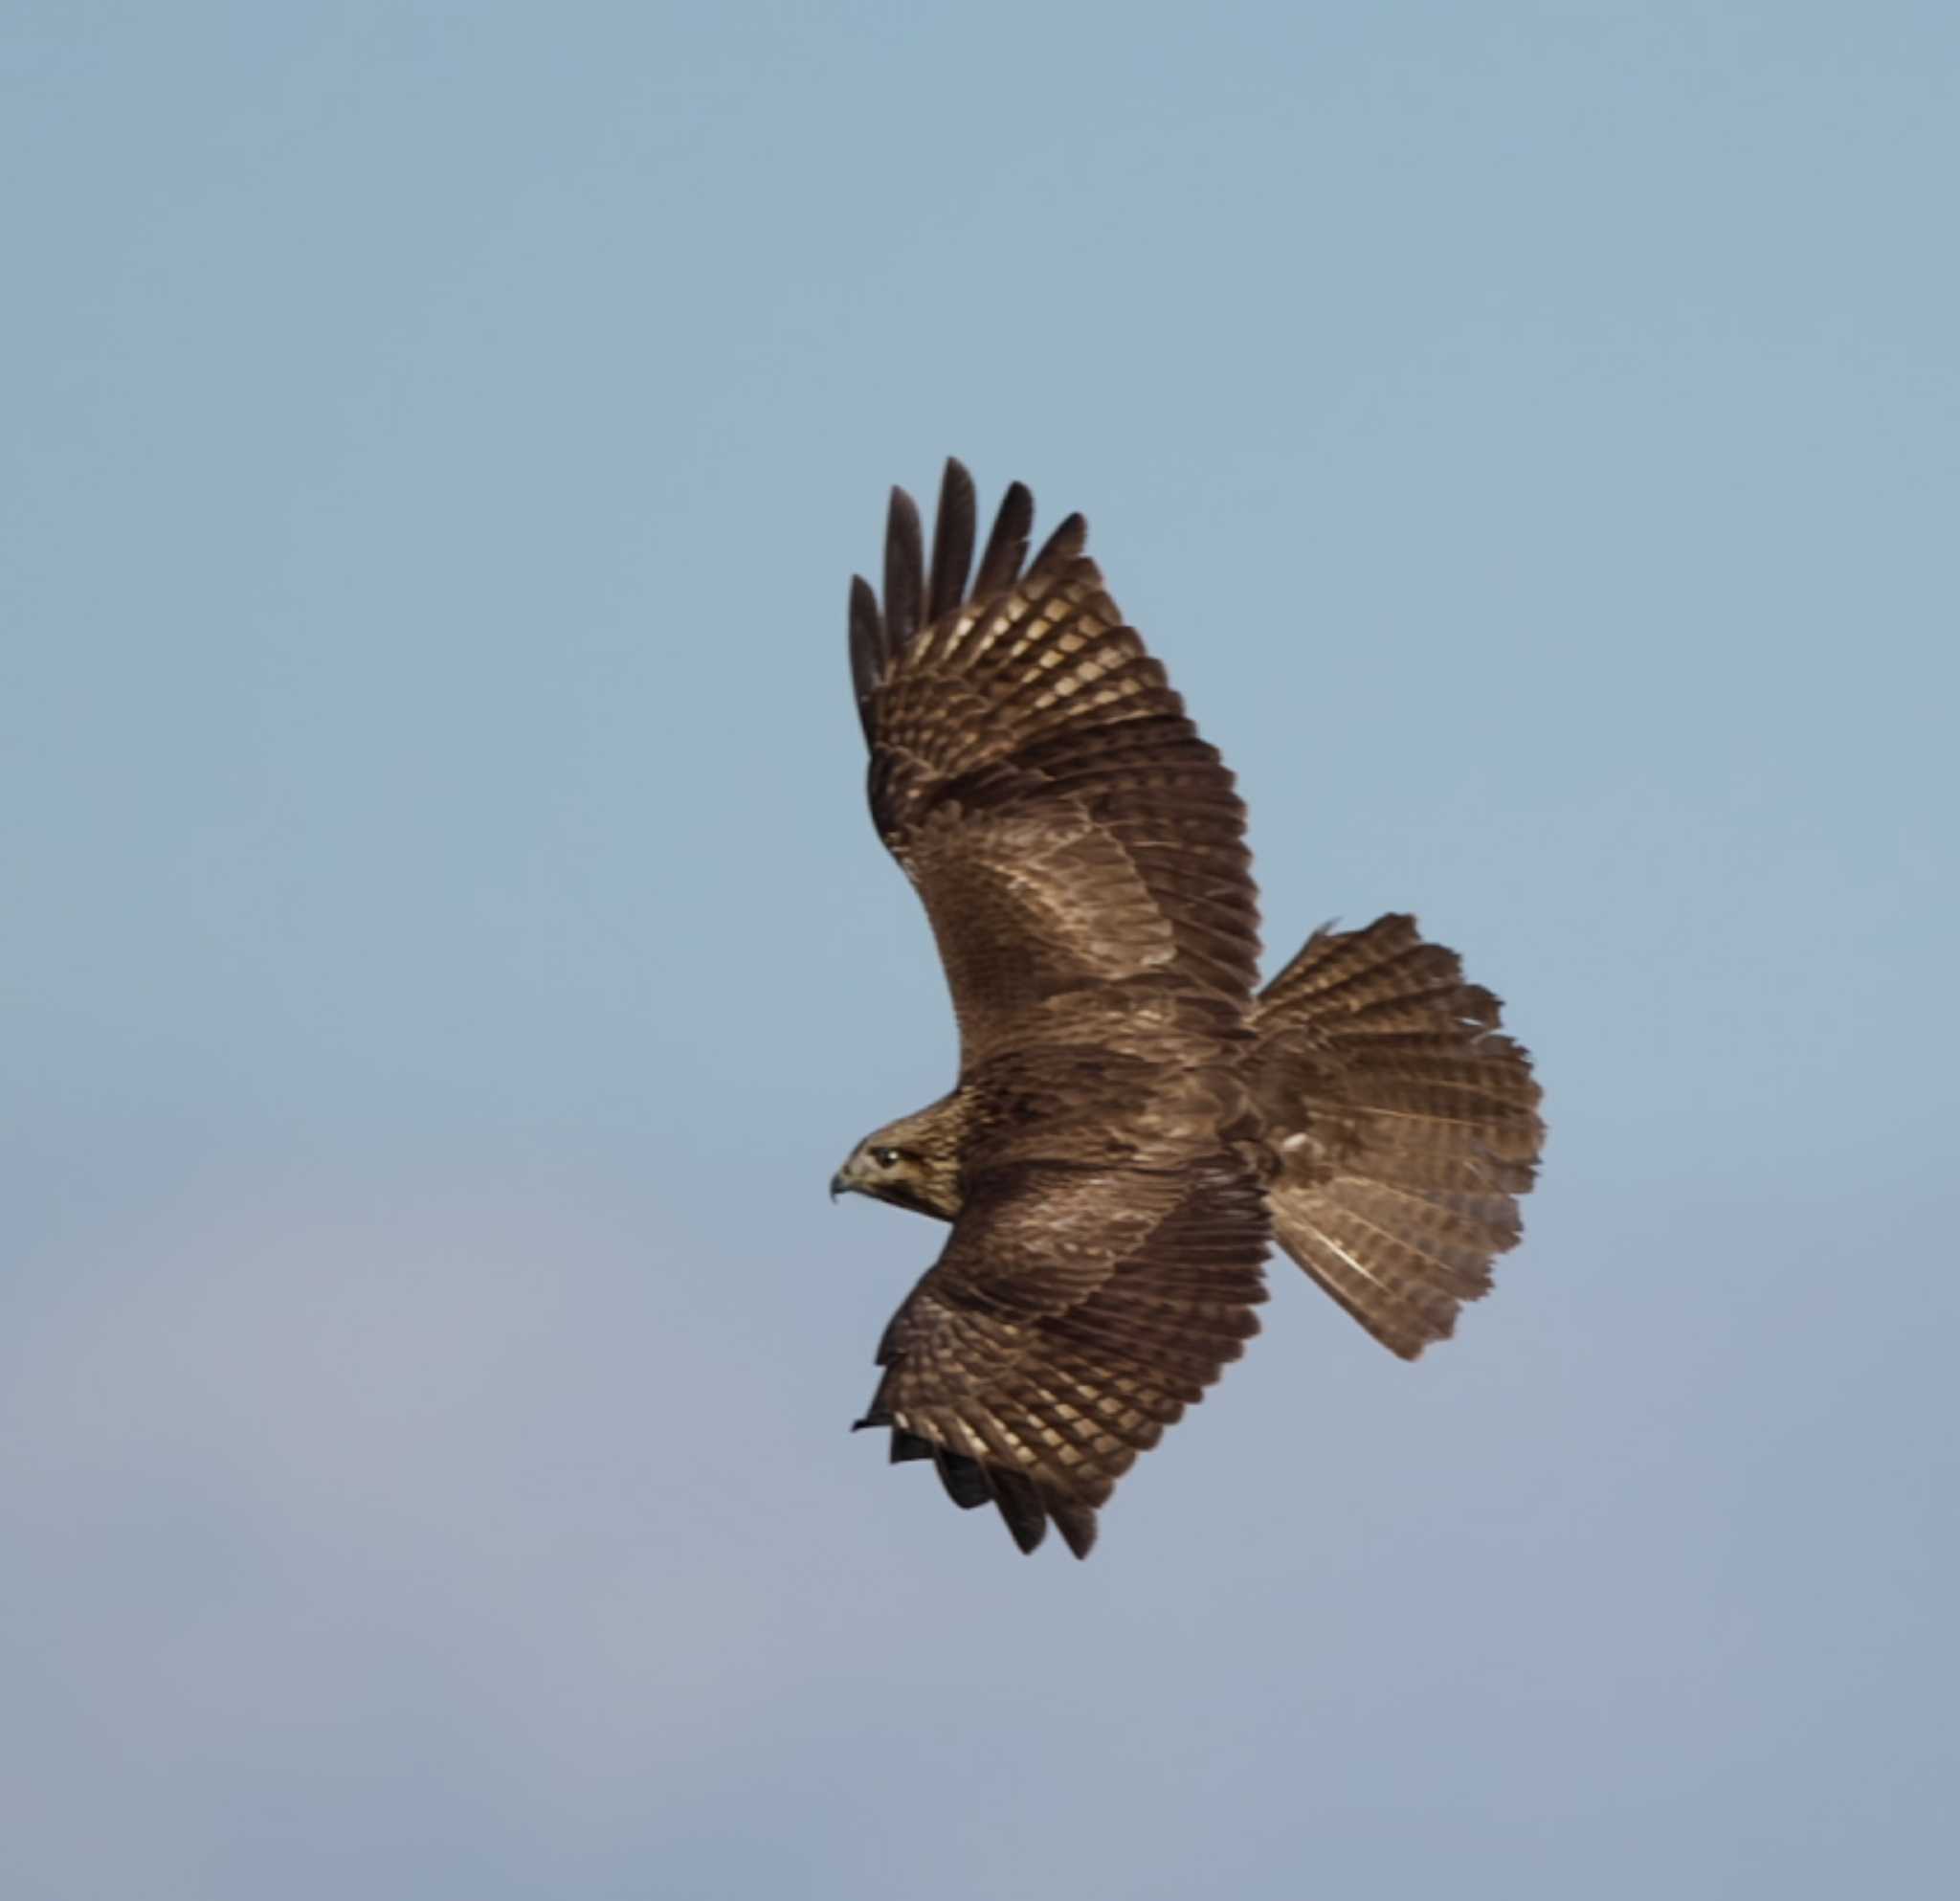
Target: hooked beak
x=838 y=1185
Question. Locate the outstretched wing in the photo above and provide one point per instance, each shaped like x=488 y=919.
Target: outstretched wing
x=1035 y=776
x=1405 y=1124
x=1073 y=1316
x=1081 y=854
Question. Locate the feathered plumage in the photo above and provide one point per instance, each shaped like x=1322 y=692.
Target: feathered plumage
x=1132 y=1126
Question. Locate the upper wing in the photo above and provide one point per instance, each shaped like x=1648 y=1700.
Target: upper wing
x=1406 y=1127
x=1074 y=1314
x=1035 y=776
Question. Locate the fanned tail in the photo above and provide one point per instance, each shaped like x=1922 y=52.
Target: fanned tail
x=1405 y=1128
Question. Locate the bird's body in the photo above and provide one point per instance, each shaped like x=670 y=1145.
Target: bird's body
x=1132 y=1125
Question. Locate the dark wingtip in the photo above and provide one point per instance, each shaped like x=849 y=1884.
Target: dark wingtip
x=1025 y=1507
x=905 y=570
x=1007 y=546
x=1068 y=541
x=867 y=646
x=964 y=1479
x=952 y=540
x=1077 y=1524
x=1020 y=1505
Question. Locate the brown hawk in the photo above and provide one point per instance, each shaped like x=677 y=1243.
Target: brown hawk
x=1134 y=1121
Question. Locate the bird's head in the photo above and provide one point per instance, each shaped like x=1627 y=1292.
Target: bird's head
x=912 y=1164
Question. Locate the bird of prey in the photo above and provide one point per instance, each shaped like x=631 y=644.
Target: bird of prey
x=1134 y=1121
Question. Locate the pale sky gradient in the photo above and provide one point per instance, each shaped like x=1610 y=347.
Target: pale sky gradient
x=447 y=954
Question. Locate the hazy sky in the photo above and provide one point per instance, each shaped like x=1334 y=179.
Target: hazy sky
x=447 y=954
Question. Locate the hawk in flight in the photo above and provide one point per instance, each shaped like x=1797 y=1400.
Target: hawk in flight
x=1135 y=1119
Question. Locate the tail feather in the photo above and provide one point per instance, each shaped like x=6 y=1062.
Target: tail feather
x=1404 y=1127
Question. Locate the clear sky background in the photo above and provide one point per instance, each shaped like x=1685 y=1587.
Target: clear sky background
x=445 y=953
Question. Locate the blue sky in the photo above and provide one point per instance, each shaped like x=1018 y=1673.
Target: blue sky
x=448 y=953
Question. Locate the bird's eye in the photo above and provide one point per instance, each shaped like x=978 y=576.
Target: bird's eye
x=885 y=1159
